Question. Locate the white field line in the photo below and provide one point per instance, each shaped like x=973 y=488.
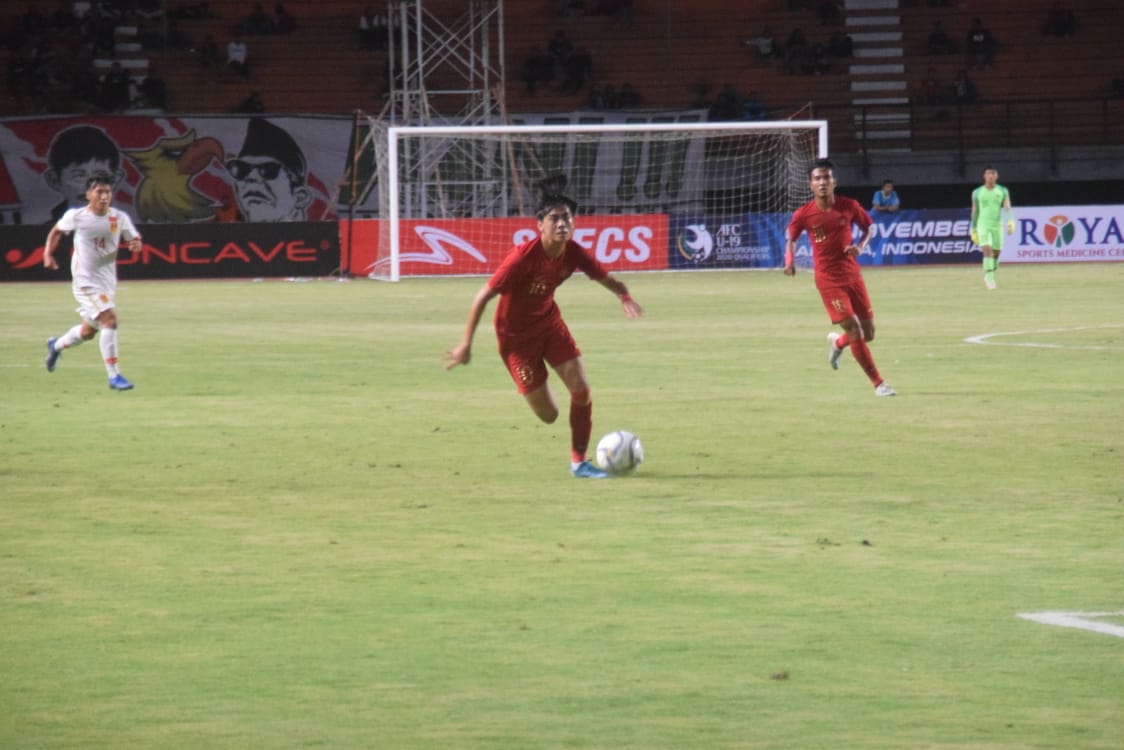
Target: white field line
x=985 y=338
x=1080 y=620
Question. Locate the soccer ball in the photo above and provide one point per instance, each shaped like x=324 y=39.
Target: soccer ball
x=619 y=452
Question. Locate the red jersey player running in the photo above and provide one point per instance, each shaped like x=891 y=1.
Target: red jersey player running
x=828 y=219
x=529 y=325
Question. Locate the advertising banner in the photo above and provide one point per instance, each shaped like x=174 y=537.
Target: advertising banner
x=1043 y=234
x=173 y=169
x=917 y=237
x=741 y=241
x=447 y=247
x=1066 y=234
x=193 y=251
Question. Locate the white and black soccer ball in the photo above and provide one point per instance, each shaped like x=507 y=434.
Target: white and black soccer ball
x=619 y=452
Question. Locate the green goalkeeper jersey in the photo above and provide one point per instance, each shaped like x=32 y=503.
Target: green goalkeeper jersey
x=989 y=205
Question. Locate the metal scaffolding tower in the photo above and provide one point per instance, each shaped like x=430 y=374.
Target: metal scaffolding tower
x=445 y=71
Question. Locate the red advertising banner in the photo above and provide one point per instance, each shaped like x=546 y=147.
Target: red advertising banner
x=462 y=247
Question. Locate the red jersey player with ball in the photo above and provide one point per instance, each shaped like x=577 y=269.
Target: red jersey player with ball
x=828 y=219
x=529 y=325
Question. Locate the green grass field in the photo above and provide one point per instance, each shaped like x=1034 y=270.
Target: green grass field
x=299 y=531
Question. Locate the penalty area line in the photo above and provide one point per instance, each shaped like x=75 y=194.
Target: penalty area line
x=1079 y=620
x=984 y=339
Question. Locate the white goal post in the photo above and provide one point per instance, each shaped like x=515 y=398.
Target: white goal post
x=453 y=199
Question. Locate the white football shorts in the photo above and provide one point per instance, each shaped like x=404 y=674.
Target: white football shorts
x=92 y=303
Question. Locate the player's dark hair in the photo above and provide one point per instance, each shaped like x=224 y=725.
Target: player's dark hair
x=821 y=164
x=101 y=178
x=81 y=144
x=551 y=195
x=887 y=182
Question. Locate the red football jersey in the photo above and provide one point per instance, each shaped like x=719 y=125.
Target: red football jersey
x=526 y=280
x=830 y=232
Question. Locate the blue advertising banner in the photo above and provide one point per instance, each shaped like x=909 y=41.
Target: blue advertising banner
x=739 y=241
x=914 y=237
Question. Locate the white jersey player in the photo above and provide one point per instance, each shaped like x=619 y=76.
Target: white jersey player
x=98 y=231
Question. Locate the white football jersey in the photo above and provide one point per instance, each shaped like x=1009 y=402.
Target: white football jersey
x=94 y=260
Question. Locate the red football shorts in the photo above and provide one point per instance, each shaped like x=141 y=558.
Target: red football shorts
x=849 y=300
x=527 y=358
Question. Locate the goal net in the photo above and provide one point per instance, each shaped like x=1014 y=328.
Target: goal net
x=653 y=195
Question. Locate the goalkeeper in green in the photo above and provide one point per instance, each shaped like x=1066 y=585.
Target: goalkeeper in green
x=989 y=201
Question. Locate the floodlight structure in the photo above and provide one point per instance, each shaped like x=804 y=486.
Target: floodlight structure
x=446 y=62
x=445 y=66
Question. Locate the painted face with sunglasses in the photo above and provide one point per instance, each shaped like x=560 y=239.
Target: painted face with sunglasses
x=266 y=190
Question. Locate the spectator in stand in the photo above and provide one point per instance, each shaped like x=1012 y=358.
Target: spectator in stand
x=840 y=45
x=886 y=200
x=537 y=68
x=795 y=51
x=153 y=90
x=373 y=29
x=209 y=54
x=115 y=89
x=252 y=104
x=765 y=44
x=575 y=72
x=1060 y=21
x=560 y=47
x=831 y=12
x=940 y=43
x=821 y=63
x=728 y=105
x=283 y=21
x=932 y=92
x=237 y=56
x=963 y=88
x=596 y=98
x=752 y=107
x=610 y=97
x=257 y=22
x=980 y=46
x=628 y=97
x=84 y=85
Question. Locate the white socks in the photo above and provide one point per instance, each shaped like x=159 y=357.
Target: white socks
x=107 y=341
x=73 y=337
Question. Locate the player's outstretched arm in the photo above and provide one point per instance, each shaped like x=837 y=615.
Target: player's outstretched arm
x=631 y=307
x=461 y=354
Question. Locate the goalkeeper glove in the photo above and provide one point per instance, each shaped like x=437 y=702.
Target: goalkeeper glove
x=975 y=237
x=1011 y=226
